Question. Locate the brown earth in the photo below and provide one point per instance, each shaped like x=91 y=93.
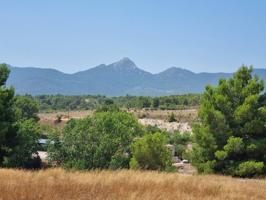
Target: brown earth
x=184 y=118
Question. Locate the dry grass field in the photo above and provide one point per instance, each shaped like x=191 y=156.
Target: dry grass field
x=57 y=184
x=182 y=116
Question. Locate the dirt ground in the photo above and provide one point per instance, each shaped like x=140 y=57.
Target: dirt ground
x=184 y=118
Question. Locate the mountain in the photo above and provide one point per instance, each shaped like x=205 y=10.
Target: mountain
x=116 y=79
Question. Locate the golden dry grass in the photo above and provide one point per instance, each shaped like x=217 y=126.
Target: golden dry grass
x=54 y=184
x=188 y=115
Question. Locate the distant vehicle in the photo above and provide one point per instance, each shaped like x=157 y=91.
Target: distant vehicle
x=185 y=161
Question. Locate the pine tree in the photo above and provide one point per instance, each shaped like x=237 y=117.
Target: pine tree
x=8 y=130
x=230 y=137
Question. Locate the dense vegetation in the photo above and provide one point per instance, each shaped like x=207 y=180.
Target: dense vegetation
x=101 y=141
x=106 y=141
x=151 y=153
x=230 y=137
x=88 y=102
x=19 y=130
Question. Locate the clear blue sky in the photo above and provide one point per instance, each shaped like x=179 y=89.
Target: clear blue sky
x=73 y=35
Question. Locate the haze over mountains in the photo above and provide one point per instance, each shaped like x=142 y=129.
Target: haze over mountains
x=116 y=79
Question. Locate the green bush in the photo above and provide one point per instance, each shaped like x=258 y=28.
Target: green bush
x=150 y=153
x=26 y=107
x=119 y=160
x=180 y=142
x=172 y=118
x=99 y=141
x=250 y=169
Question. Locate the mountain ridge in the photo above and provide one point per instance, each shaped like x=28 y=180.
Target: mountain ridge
x=116 y=79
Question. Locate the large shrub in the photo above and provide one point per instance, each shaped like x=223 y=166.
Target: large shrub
x=180 y=142
x=230 y=137
x=151 y=153
x=99 y=141
x=24 y=153
x=26 y=107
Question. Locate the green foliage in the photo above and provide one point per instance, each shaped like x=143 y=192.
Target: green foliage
x=180 y=142
x=8 y=130
x=18 y=131
x=156 y=103
x=153 y=129
x=230 y=134
x=58 y=118
x=171 y=118
x=61 y=102
x=99 y=141
x=119 y=160
x=108 y=108
x=26 y=107
x=150 y=153
x=4 y=73
x=234 y=146
x=24 y=153
x=250 y=169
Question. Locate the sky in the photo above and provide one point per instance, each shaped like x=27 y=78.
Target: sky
x=74 y=35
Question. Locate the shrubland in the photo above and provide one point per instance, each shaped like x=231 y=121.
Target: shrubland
x=89 y=102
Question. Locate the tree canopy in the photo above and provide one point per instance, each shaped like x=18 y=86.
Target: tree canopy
x=99 y=141
x=26 y=107
x=230 y=137
x=18 y=133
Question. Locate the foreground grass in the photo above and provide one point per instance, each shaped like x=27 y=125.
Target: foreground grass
x=54 y=184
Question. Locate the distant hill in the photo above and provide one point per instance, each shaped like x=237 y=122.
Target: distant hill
x=116 y=79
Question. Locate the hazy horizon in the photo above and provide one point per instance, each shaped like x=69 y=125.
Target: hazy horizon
x=71 y=36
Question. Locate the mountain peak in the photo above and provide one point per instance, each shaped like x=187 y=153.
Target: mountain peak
x=124 y=63
x=126 y=59
x=173 y=70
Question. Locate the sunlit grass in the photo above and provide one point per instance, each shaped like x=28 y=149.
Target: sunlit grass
x=56 y=184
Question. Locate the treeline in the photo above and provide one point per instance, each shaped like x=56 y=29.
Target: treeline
x=90 y=102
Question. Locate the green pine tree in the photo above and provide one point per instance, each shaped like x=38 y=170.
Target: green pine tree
x=230 y=137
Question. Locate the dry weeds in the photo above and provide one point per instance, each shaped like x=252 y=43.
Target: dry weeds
x=55 y=184
x=182 y=116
